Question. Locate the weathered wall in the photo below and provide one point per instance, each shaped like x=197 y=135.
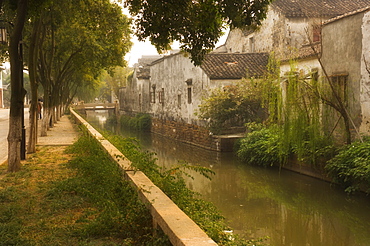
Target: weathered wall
x=365 y=75
x=277 y=33
x=188 y=133
x=169 y=76
x=341 y=54
x=193 y=134
x=305 y=66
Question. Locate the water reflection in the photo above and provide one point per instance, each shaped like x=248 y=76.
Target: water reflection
x=289 y=208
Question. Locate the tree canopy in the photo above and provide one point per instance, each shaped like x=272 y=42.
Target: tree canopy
x=66 y=45
x=196 y=24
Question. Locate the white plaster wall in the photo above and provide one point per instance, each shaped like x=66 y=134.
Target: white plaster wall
x=304 y=66
x=171 y=73
x=237 y=42
x=365 y=76
x=342 y=51
x=277 y=33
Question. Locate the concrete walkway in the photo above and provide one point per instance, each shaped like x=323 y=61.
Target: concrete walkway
x=63 y=133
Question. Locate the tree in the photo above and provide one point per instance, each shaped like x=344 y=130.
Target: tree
x=233 y=106
x=19 y=13
x=115 y=79
x=76 y=41
x=196 y=24
x=66 y=41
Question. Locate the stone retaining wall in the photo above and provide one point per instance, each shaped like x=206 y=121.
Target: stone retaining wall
x=188 y=133
x=194 y=134
x=179 y=228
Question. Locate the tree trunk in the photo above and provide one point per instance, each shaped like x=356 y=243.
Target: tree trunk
x=17 y=90
x=52 y=117
x=45 y=122
x=32 y=68
x=32 y=133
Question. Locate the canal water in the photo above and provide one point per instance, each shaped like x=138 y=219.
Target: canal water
x=288 y=208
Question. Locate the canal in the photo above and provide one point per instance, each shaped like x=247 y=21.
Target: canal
x=288 y=208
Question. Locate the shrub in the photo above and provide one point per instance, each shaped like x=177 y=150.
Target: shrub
x=260 y=147
x=351 y=167
x=232 y=106
x=140 y=122
x=171 y=181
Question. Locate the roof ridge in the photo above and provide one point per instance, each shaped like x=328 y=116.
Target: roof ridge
x=347 y=14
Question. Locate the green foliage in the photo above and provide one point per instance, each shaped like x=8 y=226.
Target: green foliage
x=232 y=106
x=113 y=80
x=172 y=182
x=141 y=122
x=295 y=108
x=260 y=147
x=100 y=180
x=73 y=42
x=197 y=25
x=112 y=120
x=351 y=167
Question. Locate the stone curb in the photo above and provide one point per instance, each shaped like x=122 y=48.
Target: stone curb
x=180 y=229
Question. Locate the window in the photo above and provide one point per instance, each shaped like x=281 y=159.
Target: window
x=316 y=33
x=189 y=83
x=140 y=100
x=179 y=101
x=152 y=94
x=251 y=44
x=315 y=74
x=189 y=95
x=161 y=96
x=340 y=86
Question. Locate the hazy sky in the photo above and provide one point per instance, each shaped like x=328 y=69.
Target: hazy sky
x=145 y=48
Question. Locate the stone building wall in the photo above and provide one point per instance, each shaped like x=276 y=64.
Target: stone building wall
x=177 y=86
x=365 y=75
x=341 y=57
x=278 y=34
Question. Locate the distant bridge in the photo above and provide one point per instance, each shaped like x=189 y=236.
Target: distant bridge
x=97 y=106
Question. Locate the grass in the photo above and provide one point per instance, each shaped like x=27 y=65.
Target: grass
x=72 y=196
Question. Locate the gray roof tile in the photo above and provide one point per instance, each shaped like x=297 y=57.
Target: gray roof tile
x=235 y=65
x=318 y=8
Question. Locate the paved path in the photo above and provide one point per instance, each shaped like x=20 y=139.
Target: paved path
x=63 y=133
x=4 y=126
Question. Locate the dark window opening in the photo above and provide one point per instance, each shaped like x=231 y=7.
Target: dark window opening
x=179 y=101
x=340 y=86
x=161 y=96
x=152 y=95
x=316 y=33
x=189 y=95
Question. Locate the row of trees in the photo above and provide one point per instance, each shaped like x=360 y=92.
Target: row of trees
x=68 y=43
x=65 y=45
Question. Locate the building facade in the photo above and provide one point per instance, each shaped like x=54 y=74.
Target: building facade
x=346 y=60
x=170 y=88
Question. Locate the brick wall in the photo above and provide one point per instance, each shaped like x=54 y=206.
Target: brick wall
x=187 y=133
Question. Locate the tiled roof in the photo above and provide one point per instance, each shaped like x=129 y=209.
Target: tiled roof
x=143 y=73
x=347 y=14
x=313 y=50
x=142 y=67
x=318 y=8
x=235 y=65
x=306 y=51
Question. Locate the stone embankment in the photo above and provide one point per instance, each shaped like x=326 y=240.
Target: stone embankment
x=180 y=229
